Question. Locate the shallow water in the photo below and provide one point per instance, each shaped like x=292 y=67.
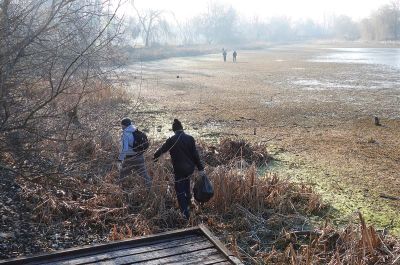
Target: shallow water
x=350 y=84
x=379 y=69
x=379 y=56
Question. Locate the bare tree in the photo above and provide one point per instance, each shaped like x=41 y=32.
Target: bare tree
x=367 y=29
x=132 y=28
x=253 y=30
x=219 y=24
x=53 y=54
x=153 y=25
x=345 y=28
x=308 y=29
x=384 y=24
x=396 y=18
x=280 y=29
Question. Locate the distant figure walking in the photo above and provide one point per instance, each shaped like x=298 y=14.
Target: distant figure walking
x=131 y=160
x=234 y=56
x=224 y=54
x=185 y=158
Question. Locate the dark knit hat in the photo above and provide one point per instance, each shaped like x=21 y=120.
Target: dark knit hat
x=126 y=122
x=177 y=125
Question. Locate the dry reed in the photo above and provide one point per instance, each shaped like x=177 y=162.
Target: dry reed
x=261 y=218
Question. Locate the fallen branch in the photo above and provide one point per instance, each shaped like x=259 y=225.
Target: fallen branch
x=390 y=197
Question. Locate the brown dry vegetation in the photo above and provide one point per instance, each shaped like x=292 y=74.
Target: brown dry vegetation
x=261 y=218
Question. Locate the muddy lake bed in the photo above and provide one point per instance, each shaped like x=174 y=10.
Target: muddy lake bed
x=312 y=105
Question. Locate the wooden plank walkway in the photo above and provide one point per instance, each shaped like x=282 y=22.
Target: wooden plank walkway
x=195 y=245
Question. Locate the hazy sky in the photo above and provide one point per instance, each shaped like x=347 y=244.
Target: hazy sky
x=314 y=9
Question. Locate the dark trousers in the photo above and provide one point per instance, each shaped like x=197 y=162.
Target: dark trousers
x=182 y=190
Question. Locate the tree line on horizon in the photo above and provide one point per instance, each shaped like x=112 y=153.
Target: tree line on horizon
x=222 y=24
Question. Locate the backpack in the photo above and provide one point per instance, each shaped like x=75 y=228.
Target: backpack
x=141 y=143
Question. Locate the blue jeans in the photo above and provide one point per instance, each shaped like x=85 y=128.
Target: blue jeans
x=182 y=190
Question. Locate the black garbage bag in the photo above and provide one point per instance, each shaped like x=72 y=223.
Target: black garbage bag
x=203 y=190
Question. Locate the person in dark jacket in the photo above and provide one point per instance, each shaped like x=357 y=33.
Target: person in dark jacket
x=185 y=159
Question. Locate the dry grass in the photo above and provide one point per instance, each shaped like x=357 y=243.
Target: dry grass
x=262 y=219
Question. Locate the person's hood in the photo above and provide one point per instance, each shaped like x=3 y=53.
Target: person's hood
x=130 y=128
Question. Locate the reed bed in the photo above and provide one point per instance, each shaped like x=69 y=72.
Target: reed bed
x=262 y=218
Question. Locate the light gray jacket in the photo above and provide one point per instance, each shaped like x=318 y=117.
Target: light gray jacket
x=127 y=141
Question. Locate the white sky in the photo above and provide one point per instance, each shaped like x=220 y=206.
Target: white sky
x=315 y=9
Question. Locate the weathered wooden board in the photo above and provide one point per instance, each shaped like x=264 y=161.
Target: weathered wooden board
x=206 y=256
x=158 y=254
x=186 y=246
x=148 y=247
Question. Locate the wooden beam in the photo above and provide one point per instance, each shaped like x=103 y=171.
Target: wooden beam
x=219 y=245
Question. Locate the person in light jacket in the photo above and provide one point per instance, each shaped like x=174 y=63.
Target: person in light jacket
x=131 y=161
x=185 y=159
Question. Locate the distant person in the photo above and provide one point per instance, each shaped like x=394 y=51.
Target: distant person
x=185 y=158
x=224 y=54
x=131 y=160
x=234 y=56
